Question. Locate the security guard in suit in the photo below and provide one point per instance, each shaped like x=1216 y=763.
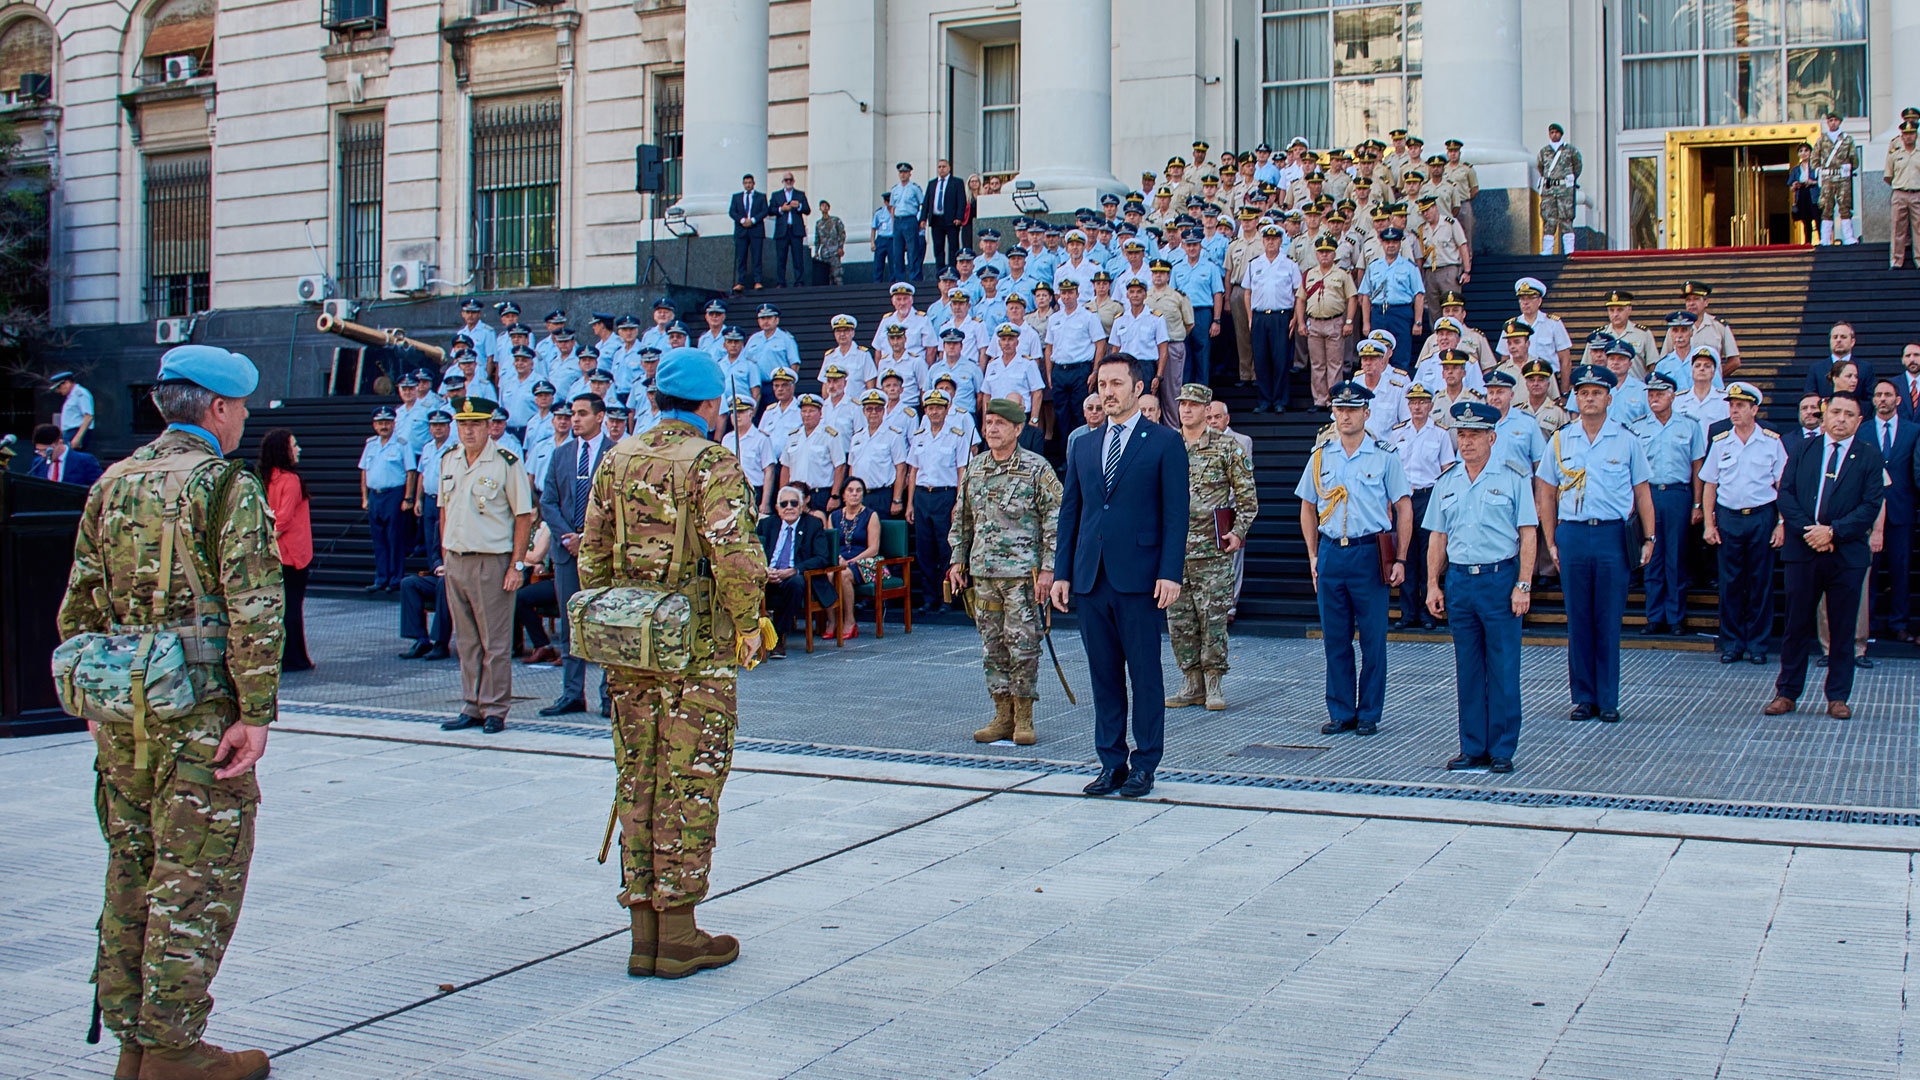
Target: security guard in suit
x=1482 y=519
x=1353 y=495
x=1740 y=486
x=1594 y=478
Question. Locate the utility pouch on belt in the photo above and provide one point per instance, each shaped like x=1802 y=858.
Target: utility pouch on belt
x=140 y=673
x=652 y=625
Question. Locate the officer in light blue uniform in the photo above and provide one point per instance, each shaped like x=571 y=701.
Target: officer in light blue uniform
x=741 y=375
x=771 y=348
x=621 y=356
x=1483 y=519
x=423 y=381
x=639 y=393
x=426 y=467
x=960 y=366
x=714 y=341
x=547 y=353
x=656 y=335
x=384 y=462
x=1595 y=478
x=410 y=418
x=990 y=310
x=1629 y=393
x=1675 y=446
x=1354 y=490
x=1519 y=439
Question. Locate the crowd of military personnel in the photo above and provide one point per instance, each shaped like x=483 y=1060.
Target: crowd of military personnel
x=1456 y=470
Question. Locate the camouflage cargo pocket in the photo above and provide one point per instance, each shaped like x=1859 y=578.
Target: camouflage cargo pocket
x=95 y=675
x=643 y=628
x=208 y=820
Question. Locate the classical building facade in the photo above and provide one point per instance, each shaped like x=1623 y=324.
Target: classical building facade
x=207 y=154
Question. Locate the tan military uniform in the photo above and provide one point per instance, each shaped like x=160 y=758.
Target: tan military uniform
x=1902 y=174
x=1636 y=335
x=1176 y=311
x=1240 y=251
x=1475 y=344
x=1445 y=245
x=1443 y=405
x=480 y=502
x=1395 y=165
x=1108 y=310
x=1551 y=416
x=1327 y=294
x=1466 y=185
x=1708 y=331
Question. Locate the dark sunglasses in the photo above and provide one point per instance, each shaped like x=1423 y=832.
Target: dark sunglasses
x=788 y=502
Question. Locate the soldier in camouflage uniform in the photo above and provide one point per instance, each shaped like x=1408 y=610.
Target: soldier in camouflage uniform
x=1218 y=475
x=1836 y=156
x=674 y=733
x=176 y=798
x=1560 y=167
x=1004 y=532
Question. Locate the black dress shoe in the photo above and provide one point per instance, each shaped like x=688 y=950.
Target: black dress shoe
x=1863 y=661
x=373 y=588
x=1335 y=727
x=1107 y=782
x=564 y=706
x=1730 y=657
x=1609 y=716
x=438 y=652
x=419 y=649
x=461 y=723
x=1652 y=629
x=494 y=725
x=606 y=708
x=1462 y=761
x=1365 y=727
x=1759 y=659
x=1137 y=784
x=1428 y=622
x=1582 y=712
x=1678 y=629
x=1500 y=765
x=1820 y=661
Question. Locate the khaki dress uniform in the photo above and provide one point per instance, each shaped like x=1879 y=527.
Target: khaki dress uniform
x=1551 y=415
x=1466 y=185
x=480 y=501
x=1108 y=310
x=1443 y=242
x=1902 y=174
x=179 y=841
x=1711 y=332
x=1176 y=310
x=1635 y=335
x=1327 y=294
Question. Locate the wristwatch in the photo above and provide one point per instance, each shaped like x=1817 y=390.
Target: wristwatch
x=520 y=567
x=1525 y=586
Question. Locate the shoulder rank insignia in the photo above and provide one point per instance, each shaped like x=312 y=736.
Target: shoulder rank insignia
x=512 y=458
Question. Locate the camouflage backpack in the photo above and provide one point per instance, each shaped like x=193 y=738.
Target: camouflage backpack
x=651 y=626
x=138 y=673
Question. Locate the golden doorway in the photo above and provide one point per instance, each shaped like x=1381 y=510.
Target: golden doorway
x=1727 y=187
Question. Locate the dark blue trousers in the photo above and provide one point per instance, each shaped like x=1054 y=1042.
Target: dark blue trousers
x=1807 y=583
x=1413 y=591
x=747 y=248
x=1353 y=600
x=1666 y=581
x=1894 y=565
x=1593 y=576
x=429 y=521
x=1273 y=358
x=1121 y=632
x=415 y=592
x=1746 y=579
x=1199 y=345
x=932 y=518
x=883 y=257
x=389 y=534
x=1397 y=319
x=1486 y=657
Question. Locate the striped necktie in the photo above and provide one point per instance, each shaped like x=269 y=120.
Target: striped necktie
x=1115 y=442
x=582 y=484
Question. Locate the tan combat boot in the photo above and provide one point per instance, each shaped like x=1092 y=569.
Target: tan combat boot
x=1023 y=722
x=203 y=1061
x=128 y=1067
x=685 y=948
x=1193 y=694
x=646 y=938
x=1215 y=699
x=1002 y=725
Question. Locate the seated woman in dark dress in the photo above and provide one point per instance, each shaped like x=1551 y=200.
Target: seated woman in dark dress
x=859 y=555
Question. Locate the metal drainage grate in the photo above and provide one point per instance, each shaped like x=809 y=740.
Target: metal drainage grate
x=1836 y=815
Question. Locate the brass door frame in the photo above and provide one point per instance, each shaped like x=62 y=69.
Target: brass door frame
x=1685 y=220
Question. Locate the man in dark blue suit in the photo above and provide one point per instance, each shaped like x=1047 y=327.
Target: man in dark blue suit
x=1830 y=497
x=58 y=461
x=789 y=208
x=1122 y=546
x=564 y=493
x=1907 y=381
x=748 y=209
x=1896 y=436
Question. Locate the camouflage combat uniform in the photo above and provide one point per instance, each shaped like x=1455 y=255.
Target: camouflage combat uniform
x=1218 y=474
x=1559 y=180
x=673 y=735
x=179 y=841
x=1004 y=529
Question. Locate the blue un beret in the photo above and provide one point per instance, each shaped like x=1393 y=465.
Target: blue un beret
x=227 y=374
x=690 y=374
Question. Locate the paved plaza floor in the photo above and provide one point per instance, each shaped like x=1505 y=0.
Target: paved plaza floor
x=1692 y=893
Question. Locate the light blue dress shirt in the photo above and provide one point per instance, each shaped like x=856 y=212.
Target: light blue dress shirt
x=1614 y=463
x=1390 y=284
x=387 y=463
x=1482 y=517
x=1374 y=479
x=1671 y=448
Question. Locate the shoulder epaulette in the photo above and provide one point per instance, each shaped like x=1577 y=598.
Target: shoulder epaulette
x=1770 y=432
x=1400 y=425
x=1382 y=444
x=512 y=458
x=1454 y=464
x=830 y=431
x=450 y=448
x=1728 y=432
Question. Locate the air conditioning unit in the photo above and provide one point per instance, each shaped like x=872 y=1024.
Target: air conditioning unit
x=314 y=288
x=180 y=68
x=35 y=87
x=407 y=277
x=340 y=309
x=172 y=331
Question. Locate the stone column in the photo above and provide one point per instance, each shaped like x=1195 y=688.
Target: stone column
x=1066 y=124
x=847 y=49
x=1471 y=80
x=1902 y=75
x=726 y=107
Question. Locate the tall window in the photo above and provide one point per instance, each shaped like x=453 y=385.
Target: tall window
x=1335 y=72
x=669 y=134
x=363 y=144
x=1000 y=109
x=516 y=194
x=179 y=231
x=1693 y=62
x=26 y=49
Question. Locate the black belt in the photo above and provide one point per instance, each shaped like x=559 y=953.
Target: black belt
x=1596 y=521
x=1720 y=507
x=1349 y=541
x=480 y=554
x=949 y=487
x=1483 y=568
x=1681 y=485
